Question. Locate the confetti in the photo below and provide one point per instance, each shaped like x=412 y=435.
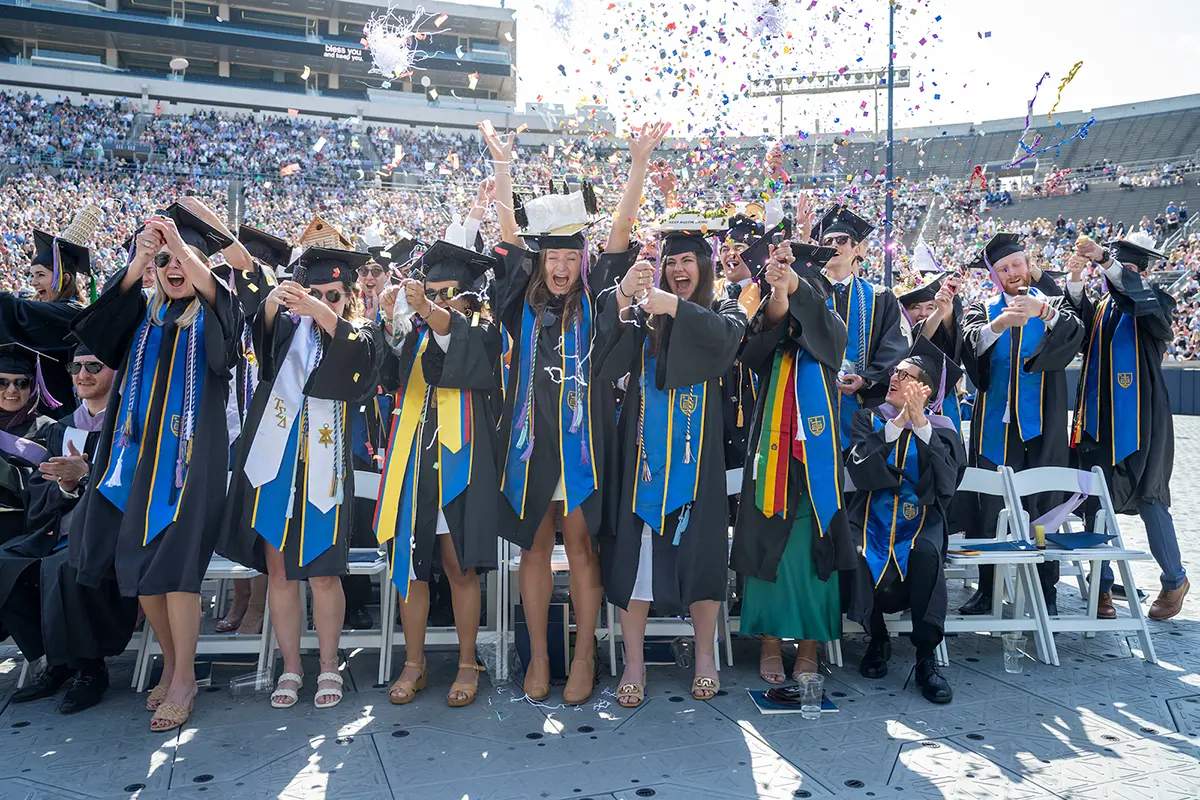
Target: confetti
x=390 y=40
x=472 y=80
x=320 y=144
x=441 y=20
x=1062 y=85
x=304 y=75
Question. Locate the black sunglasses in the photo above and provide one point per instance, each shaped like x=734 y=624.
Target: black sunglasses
x=374 y=272
x=92 y=367
x=447 y=293
x=332 y=296
x=161 y=260
x=837 y=240
x=20 y=383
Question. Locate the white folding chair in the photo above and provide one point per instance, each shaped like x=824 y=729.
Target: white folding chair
x=1024 y=563
x=1092 y=484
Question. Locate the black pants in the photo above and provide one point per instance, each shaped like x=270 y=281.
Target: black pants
x=914 y=592
x=357 y=588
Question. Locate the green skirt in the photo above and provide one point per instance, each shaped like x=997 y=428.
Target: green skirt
x=798 y=605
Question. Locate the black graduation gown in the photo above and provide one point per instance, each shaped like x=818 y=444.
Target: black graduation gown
x=15 y=475
x=697 y=345
x=176 y=559
x=41 y=603
x=346 y=372
x=759 y=541
x=739 y=392
x=472 y=362
x=940 y=465
x=1052 y=356
x=888 y=345
x=43 y=327
x=1145 y=474
x=545 y=463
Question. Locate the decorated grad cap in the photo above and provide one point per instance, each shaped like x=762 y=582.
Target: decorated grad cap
x=444 y=261
x=321 y=265
x=270 y=250
x=758 y=253
x=999 y=246
x=743 y=229
x=67 y=252
x=17 y=359
x=196 y=232
x=1137 y=250
x=913 y=290
x=943 y=372
x=840 y=219
x=556 y=221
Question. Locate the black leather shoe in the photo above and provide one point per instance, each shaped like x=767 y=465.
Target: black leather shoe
x=87 y=690
x=980 y=603
x=874 y=661
x=359 y=619
x=45 y=685
x=934 y=687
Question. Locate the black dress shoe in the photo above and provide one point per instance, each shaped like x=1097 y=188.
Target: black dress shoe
x=359 y=619
x=934 y=687
x=874 y=661
x=45 y=685
x=980 y=603
x=87 y=690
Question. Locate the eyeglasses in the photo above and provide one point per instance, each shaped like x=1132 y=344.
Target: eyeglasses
x=331 y=296
x=161 y=260
x=904 y=375
x=836 y=240
x=92 y=367
x=373 y=272
x=447 y=293
x=20 y=383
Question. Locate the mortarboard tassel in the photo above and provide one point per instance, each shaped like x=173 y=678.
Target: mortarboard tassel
x=42 y=391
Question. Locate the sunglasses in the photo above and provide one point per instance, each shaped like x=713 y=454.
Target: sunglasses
x=836 y=240
x=161 y=260
x=20 y=383
x=373 y=272
x=331 y=296
x=92 y=367
x=448 y=293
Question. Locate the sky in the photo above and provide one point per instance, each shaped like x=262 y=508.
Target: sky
x=980 y=59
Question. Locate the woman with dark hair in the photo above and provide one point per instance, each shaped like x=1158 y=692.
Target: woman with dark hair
x=292 y=473
x=23 y=396
x=153 y=512
x=440 y=486
x=670 y=540
x=556 y=431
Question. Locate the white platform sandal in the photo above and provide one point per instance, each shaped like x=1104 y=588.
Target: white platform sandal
x=335 y=693
x=289 y=696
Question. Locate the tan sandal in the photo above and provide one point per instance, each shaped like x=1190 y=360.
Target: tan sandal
x=410 y=688
x=705 y=684
x=157 y=695
x=537 y=690
x=170 y=716
x=637 y=691
x=774 y=677
x=573 y=695
x=468 y=689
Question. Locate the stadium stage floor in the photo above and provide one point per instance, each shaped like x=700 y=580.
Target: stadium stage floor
x=1103 y=725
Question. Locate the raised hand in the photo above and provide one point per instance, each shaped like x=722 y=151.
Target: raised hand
x=643 y=141
x=638 y=279
x=1088 y=249
x=806 y=215
x=68 y=470
x=487 y=192
x=387 y=301
x=658 y=301
x=501 y=147
x=414 y=292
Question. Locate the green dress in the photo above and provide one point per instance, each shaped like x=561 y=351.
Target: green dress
x=798 y=605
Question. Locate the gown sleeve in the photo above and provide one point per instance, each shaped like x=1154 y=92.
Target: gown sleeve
x=347 y=368
x=977 y=365
x=869 y=450
x=107 y=326
x=270 y=347
x=1061 y=343
x=222 y=328
x=608 y=269
x=810 y=325
x=471 y=360
x=942 y=461
x=1048 y=286
x=40 y=326
x=892 y=345
x=253 y=287
x=1085 y=309
x=1153 y=308
x=47 y=504
x=517 y=266
x=701 y=343
x=622 y=342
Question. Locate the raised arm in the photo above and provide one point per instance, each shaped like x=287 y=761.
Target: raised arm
x=501 y=148
x=641 y=144
x=236 y=254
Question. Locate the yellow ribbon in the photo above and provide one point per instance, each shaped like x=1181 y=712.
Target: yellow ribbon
x=1062 y=85
x=410 y=410
x=449 y=405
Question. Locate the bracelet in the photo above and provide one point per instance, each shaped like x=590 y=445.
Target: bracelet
x=622 y=291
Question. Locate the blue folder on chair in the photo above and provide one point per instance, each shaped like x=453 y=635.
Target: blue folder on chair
x=1079 y=541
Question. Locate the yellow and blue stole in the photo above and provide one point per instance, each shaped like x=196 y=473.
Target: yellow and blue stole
x=894 y=518
x=1023 y=400
x=574 y=412
x=396 y=508
x=668 y=463
x=1123 y=376
x=171 y=446
x=860 y=324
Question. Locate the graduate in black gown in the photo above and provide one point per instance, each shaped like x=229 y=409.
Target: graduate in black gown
x=1122 y=411
x=42 y=605
x=670 y=536
x=61 y=275
x=739 y=387
x=906 y=461
x=441 y=488
x=153 y=508
x=292 y=486
x=1016 y=348
x=791 y=538
x=24 y=400
x=871 y=313
x=557 y=444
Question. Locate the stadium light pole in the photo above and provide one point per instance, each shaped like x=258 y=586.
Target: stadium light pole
x=887 y=202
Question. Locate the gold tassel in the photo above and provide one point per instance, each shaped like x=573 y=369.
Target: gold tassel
x=646 y=477
x=741 y=422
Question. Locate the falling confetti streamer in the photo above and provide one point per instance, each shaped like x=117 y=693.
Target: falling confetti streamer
x=1062 y=85
x=391 y=38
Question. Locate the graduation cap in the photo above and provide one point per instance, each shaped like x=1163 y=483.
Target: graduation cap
x=918 y=289
x=196 y=232
x=17 y=359
x=320 y=233
x=810 y=259
x=397 y=255
x=67 y=252
x=758 y=253
x=677 y=242
x=321 y=265
x=270 y=250
x=444 y=261
x=840 y=219
x=556 y=221
x=942 y=371
x=999 y=246
x=1137 y=249
x=743 y=229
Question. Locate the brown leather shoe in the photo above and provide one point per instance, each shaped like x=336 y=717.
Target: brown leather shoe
x=1105 y=608
x=1169 y=602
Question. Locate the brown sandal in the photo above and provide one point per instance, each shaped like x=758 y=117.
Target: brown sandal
x=574 y=696
x=469 y=689
x=409 y=687
x=170 y=716
x=157 y=695
x=537 y=690
x=705 y=684
x=637 y=691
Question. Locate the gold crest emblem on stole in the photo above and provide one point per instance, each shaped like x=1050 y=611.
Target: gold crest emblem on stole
x=572 y=399
x=1124 y=379
x=687 y=403
x=909 y=510
x=816 y=425
x=176 y=424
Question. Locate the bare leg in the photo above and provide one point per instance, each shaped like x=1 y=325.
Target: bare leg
x=155 y=609
x=806 y=657
x=537 y=584
x=633 y=635
x=704 y=622
x=465 y=596
x=586 y=593
x=286 y=615
x=183 y=613
x=414 y=615
x=253 y=620
x=770 y=660
x=237 y=610
x=329 y=612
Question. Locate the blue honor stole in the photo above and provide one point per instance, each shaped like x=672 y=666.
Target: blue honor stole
x=574 y=411
x=894 y=518
x=1123 y=377
x=823 y=463
x=1022 y=398
x=860 y=324
x=671 y=438
x=168 y=448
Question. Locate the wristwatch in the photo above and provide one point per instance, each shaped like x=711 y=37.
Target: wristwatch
x=1104 y=257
